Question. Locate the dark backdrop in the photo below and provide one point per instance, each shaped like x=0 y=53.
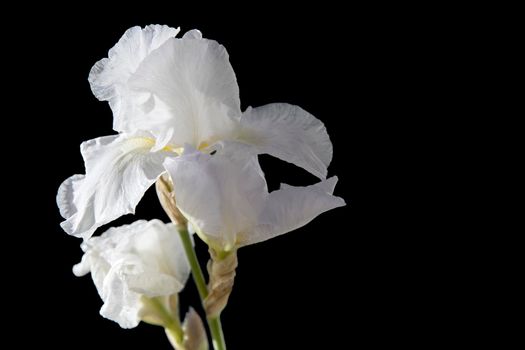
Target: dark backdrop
x=339 y=282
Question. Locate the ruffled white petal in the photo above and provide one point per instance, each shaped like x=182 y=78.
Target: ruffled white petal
x=128 y=262
x=92 y=262
x=289 y=133
x=119 y=169
x=120 y=304
x=109 y=76
x=221 y=194
x=192 y=34
x=65 y=196
x=292 y=207
x=189 y=89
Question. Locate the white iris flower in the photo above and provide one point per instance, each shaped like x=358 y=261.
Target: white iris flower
x=176 y=110
x=165 y=93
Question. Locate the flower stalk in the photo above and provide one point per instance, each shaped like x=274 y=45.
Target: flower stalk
x=167 y=200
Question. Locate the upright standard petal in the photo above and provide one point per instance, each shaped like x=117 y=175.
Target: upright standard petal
x=292 y=207
x=220 y=194
x=289 y=133
x=109 y=76
x=189 y=89
x=132 y=261
x=119 y=169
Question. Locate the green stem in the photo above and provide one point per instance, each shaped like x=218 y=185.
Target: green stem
x=198 y=276
x=216 y=333
x=214 y=323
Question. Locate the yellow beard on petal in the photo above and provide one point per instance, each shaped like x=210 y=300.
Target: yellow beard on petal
x=149 y=142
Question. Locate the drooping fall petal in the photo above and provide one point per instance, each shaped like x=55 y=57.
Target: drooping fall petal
x=218 y=195
x=292 y=207
x=225 y=197
x=119 y=169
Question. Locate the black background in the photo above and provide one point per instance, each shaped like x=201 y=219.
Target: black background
x=348 y=279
